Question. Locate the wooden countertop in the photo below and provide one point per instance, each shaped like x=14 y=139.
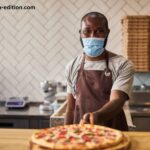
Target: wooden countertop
x=18 y=139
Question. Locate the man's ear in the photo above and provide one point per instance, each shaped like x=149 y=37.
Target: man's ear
x=80 y=31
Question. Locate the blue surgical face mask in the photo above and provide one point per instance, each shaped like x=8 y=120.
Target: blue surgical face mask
x=93 y=47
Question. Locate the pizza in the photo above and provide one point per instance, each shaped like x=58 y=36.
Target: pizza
x=77 y=137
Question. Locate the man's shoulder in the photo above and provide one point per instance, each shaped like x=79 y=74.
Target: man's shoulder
x=124 y=60
x=75 y=61
x=120 y=62
x=119 y=59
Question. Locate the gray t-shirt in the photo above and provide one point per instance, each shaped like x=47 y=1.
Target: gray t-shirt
x=122 y=72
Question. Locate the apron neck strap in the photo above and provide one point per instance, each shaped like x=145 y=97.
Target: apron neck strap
x=107 y=60
x=83 y=60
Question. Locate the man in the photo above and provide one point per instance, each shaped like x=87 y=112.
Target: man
x=98 y=81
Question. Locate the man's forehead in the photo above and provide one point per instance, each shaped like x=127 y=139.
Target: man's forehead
x=93 y=21
x=85 y=25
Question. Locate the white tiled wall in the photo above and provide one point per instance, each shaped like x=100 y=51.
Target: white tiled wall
x=35 y=45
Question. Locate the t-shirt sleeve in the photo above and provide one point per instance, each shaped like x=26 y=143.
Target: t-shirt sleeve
x=124 y=80
x=70 y=88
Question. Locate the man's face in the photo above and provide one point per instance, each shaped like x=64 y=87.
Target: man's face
x=93 y=27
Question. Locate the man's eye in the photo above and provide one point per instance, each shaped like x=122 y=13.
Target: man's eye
x=86 y=31
x=99 y=31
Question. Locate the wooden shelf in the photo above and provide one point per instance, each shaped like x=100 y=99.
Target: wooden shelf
x=136 y=41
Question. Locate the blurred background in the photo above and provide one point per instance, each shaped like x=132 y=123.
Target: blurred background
x=37 y=44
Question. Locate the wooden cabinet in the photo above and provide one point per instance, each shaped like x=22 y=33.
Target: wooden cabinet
x=14 y=123
x=24 y=123
x=142 y=123
x=30 y=117
x=140 y=111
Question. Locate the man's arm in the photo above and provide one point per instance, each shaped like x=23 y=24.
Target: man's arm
x=110 y=109
x=70 y=109
x=119 y=94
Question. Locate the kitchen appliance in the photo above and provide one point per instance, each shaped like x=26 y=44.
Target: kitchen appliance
x=16 y=102
x=49 y=89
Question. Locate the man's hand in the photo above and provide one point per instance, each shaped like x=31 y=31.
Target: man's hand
x=85 y=119
x=90 y=118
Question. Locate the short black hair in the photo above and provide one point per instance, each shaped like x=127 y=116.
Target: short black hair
x=95 y=14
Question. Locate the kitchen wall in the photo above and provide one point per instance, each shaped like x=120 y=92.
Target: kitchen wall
x=36 y=45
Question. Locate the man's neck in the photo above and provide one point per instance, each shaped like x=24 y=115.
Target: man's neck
x=101 y=57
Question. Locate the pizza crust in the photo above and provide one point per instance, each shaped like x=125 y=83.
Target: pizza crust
x=106 y=143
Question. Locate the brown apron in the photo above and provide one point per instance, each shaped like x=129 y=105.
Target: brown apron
x=93 y=89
